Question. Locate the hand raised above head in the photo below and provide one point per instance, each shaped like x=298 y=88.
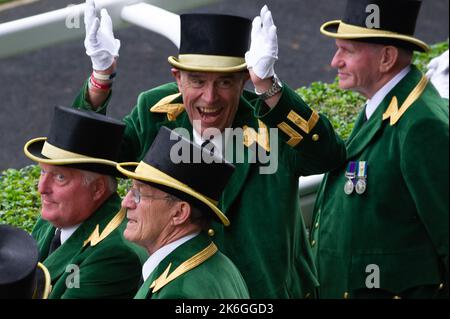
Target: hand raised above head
x=99 y=42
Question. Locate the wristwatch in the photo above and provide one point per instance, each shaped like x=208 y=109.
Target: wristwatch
x=274 y=89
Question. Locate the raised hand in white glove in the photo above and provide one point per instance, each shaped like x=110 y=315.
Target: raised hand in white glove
x=264 y=45
x=99 y=42
x=438 y=73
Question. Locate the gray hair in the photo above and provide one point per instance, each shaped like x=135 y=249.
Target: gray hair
x=89 y=177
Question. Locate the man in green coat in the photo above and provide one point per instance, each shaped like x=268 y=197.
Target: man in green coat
x=169 y=209
x=79 y=233
x=278 y=138
x=381 y=219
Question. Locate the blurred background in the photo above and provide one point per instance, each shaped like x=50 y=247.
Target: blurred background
x=32 y=83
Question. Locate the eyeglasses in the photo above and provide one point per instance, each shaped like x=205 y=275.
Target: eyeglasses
x=137 y=195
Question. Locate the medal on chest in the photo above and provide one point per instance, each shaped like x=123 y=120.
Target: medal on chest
x=356 y=175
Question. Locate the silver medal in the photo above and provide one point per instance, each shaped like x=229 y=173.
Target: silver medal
x=360 y=186
x=348 y=187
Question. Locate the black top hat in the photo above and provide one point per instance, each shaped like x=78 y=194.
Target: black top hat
x=212 y=43
x=397 y=22
x=20 y=271
x=199 y=179
x=79 y=139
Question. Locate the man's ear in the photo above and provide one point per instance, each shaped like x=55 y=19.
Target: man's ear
x=389 y=58
x=177 y=75
x=181 y=213
x=99 y=187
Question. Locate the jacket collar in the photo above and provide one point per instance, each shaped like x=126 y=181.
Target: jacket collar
x=363 y=133
x=169 y=267
x=58 y=260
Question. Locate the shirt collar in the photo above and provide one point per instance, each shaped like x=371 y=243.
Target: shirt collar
x=67 y=232
x=154 y=260
x=372 y=104
x=216 y=140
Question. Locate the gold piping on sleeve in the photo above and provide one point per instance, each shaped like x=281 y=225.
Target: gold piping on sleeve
x=304 y=125
x=295 y=137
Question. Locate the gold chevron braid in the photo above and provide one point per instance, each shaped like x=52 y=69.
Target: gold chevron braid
x=304 y=125
x=164 y=106
x=394 y=113
x=294 y=136
x=189 y=264
x=95 y=237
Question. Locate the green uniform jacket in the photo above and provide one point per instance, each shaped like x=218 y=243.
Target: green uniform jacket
x=109 y=269
x=210 y=274
x=400 y=223
x=266 y=239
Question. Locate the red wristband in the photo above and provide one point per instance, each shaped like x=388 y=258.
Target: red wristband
x=99 y=86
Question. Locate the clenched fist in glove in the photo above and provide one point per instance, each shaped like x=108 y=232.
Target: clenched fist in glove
x=99 y=42
x=264 y=45
x=438 y=73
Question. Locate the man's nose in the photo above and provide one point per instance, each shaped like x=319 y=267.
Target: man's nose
x=128 y=201
x=44 y=184
x=209 y=93
x=337 y=62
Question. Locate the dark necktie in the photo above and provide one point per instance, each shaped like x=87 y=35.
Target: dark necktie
x=56 y=241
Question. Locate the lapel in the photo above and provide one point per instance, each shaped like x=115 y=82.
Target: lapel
x=180 y=255
x=362 y=135
x=244 y=117
x=73 y=247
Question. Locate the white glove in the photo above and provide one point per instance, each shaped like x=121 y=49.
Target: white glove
x=264 y=45
x=99 y=42
x=438 y=73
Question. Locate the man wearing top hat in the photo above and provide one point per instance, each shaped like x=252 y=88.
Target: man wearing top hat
x=267 y=238
x=381 y=219
x=22 y=276
x=169 y=208
x=79 y=233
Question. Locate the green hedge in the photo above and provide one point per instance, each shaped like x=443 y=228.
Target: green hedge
x=20 y=201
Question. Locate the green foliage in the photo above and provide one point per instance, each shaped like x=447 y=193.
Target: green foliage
x=20 y=201
x=341 y=107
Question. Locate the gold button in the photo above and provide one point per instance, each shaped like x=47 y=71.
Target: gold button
x=345 y=295
x=211 y=232
x=441 y=286
x=313 y=243
x=308 y=295
x=315 y=137
x=397 y=297
x=316 y=225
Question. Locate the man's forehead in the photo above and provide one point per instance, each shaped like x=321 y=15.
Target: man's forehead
x=215 y=75
x=147 y=187
x=59 y=168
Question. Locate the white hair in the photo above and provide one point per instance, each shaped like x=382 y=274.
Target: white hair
x=89 y=177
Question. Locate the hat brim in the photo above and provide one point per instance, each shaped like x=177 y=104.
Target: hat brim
x=43 y=282
x=151 y=174
x=208 y=63
x=55 y=156
x=340 y=30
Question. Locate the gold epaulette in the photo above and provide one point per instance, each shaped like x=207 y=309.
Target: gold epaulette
x=189 y=264
x=165 y=106
x=394 y=113
x=96 y=237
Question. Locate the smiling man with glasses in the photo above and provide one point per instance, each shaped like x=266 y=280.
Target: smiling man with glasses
x=170 y=208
